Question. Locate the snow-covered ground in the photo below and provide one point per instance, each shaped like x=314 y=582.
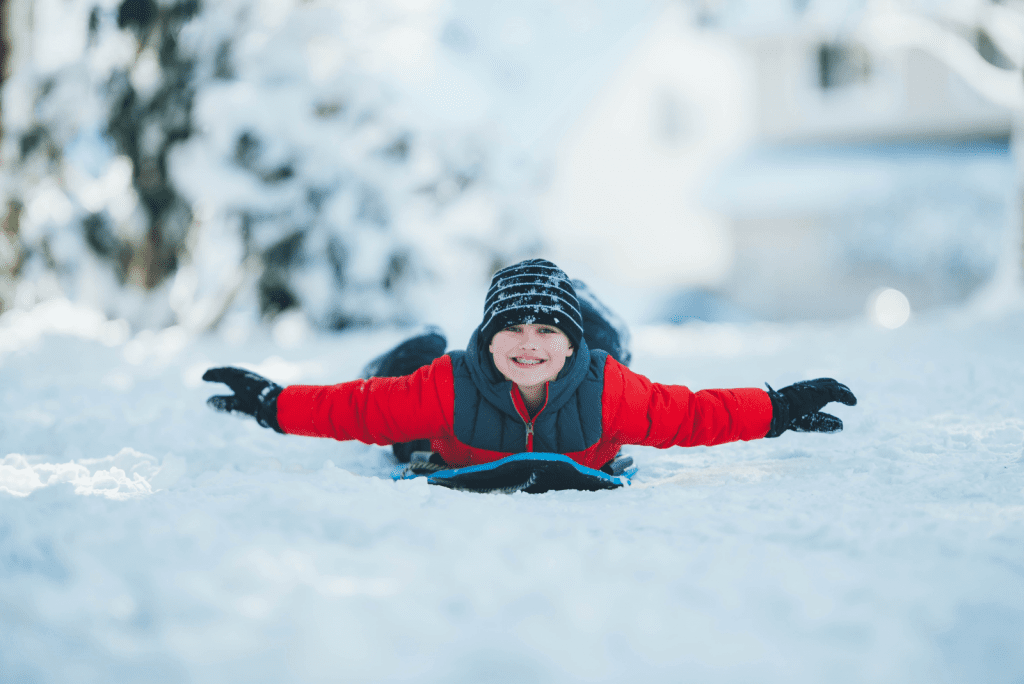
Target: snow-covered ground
x=162 y=542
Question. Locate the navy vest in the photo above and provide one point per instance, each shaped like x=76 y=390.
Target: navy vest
x=486 y=418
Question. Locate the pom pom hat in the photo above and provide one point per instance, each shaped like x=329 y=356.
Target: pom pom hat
x=532 y=291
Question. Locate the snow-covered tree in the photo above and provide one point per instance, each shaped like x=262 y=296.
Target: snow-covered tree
x=174 y=161
x=980 y=40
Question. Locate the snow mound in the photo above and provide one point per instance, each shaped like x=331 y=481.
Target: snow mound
x=125 y=475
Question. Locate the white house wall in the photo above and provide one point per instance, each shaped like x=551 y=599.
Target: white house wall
x=625 y=195
x=906 y=94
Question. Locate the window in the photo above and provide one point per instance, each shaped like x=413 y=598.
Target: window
x=842 y=64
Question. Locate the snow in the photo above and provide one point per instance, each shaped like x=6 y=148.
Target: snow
x=146 y=538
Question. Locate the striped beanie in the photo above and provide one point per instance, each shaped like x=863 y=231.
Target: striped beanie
x=532 y=291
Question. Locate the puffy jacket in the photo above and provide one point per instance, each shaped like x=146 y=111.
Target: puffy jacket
x=471 y=415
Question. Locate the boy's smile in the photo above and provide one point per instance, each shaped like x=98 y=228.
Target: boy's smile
x=530 y=355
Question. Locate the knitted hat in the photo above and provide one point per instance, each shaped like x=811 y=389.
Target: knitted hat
x=532 y=291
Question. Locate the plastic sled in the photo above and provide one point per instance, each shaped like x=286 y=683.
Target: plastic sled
x=530 y=472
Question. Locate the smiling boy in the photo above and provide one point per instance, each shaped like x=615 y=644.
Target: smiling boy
x=528 y=381
x=529 y=356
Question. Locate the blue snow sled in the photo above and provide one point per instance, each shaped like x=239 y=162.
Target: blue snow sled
x=530 y=472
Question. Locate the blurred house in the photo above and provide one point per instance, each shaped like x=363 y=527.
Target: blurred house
x=784 y=173
x=866 y=171
x=814 y=86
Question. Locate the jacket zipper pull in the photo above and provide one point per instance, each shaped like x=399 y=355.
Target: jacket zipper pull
x=529 y=433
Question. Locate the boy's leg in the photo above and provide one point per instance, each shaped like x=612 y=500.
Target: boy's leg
x=601 y=328
x=408 y=356
x=404 y=359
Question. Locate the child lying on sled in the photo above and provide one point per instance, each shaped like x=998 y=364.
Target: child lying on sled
x=527 y=381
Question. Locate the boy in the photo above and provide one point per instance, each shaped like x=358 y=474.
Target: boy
x=529 y=381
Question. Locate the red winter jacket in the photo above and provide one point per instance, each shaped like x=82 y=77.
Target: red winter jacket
x=633 y=410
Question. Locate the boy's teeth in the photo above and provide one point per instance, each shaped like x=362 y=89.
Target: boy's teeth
x=529 y=361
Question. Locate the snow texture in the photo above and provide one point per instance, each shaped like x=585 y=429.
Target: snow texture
x=146 y=538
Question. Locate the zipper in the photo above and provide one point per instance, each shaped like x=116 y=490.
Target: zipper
x=525 y=414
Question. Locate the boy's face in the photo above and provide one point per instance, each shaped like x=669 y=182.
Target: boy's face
x=529 y=354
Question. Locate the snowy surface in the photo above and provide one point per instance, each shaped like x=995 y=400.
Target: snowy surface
x=145 y=538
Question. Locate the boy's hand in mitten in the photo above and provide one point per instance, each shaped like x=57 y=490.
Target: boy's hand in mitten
x=798 y=406
x=254 y=395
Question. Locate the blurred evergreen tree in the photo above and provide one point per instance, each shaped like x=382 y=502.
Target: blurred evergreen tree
x=185 y=161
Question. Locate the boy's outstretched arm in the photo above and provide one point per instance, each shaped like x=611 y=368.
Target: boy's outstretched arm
x=374 y=411
x=254 y=395
x=662 y=416
x=798 y=406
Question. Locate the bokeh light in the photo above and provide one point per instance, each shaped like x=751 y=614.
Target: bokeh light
x=889 y=308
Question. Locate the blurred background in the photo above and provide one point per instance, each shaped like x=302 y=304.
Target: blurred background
x=304 y=165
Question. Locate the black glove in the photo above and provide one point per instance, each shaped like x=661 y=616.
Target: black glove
x=798 y=407
x=254 y=395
